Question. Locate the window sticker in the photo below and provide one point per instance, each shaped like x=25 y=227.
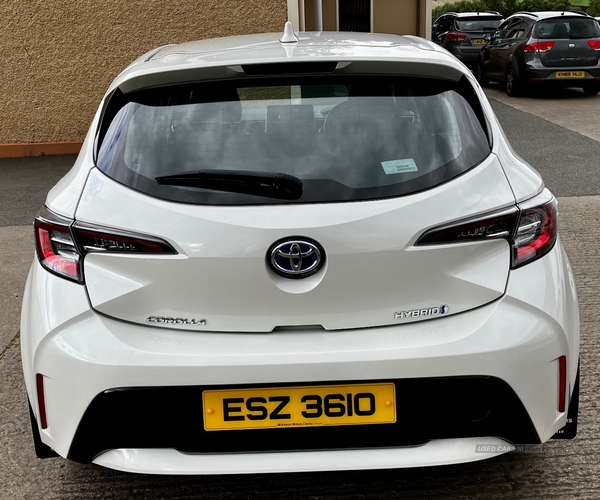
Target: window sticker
x=399 y=166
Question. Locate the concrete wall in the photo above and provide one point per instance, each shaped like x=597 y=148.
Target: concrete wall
x=59 y=56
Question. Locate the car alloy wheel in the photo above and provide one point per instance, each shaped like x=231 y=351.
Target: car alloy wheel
x=480 y=75
x=513 y=87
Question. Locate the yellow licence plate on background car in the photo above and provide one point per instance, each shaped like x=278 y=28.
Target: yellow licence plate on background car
x=570 y=74
x=479 y=41
x=299 y=406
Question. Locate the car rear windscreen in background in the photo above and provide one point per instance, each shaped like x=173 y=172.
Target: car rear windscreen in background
x=344 y=138
x=567 y=28
x=478 y=24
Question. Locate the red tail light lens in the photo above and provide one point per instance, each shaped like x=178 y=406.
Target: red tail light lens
x=530 y=228
x=537 y=229
x=56 y=248
x=61 y=245
x=594 y=44
x=455 y=37
x=538 y=47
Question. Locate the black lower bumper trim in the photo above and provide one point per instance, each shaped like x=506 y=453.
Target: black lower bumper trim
x=428 y=408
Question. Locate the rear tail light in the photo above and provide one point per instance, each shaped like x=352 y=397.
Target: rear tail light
x=94 y=239
x=530 y=228
x=538 y=47
x=537 y=229
x=594 y=44
x=61 y=245
x=56 y=248
x=455 y=37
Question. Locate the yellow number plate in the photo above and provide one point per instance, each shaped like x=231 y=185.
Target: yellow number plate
x=479 y=41
x=299 y=407
x=570 y=74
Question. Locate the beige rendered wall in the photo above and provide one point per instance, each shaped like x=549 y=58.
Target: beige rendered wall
x=398 y=17
x=59 y=56
x=330 y=15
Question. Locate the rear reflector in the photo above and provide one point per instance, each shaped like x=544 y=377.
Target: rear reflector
x=530 y=228
x=562 y=382
x=538 y=47
x=455 y=37
x=61 y=245
x=39 y=379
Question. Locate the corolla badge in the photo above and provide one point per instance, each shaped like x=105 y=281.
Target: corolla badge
x=419 y=313
x=296 y=258
x=176 y=321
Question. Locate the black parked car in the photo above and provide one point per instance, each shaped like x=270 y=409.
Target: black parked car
x=551 y=48
x=465 y=34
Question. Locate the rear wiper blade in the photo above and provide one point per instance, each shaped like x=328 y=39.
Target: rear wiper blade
x=267 y=184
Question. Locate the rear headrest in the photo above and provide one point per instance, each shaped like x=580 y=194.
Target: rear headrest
x=232 y=109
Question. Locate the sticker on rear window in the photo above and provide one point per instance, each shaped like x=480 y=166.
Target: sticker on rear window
x=399 y=166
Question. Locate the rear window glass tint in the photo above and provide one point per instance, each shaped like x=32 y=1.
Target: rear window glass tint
x=346 y=140
x=567 y=28
x=478 y=24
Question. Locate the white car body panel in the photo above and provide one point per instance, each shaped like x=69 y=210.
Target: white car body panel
x=230 y=287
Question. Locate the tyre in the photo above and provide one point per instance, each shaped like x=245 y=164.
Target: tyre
x=591 y=89
x=480 y=75
x=513 y=86
x=41 y=450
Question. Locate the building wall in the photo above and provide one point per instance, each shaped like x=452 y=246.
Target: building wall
x=59 y=56
x=330 y=15
x=398 y=17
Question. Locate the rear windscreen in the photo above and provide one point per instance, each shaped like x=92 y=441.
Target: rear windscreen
x=478 y=24
x=565 y=28
x=344 y=139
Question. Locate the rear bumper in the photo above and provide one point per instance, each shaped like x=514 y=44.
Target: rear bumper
x=440 y=452
x=548 y=75
x=468 y=56
x=513 y=344
x=427 y=409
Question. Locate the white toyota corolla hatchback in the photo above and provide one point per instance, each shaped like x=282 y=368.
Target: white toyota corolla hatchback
x=304 y=252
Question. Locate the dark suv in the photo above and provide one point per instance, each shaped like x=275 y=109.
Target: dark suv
x=465 y=34
x=552 y=48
